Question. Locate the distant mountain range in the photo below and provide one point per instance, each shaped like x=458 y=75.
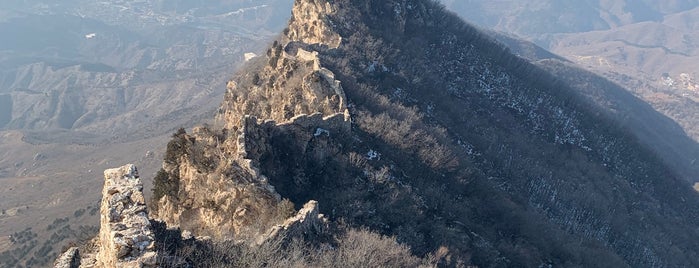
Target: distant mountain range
x=540 y=18
x=91 y=66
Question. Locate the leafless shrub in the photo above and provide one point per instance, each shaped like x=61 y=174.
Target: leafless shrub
x=357 y=160
x=410 y=136
x=362 y=248
x=355 y=248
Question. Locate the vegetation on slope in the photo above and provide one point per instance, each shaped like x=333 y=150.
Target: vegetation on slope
x=459 y=146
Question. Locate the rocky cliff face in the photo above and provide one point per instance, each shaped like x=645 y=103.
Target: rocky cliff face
x=218 y=193
x=221 y=190
x=292 y=83
x=310 y=24
x=127 y=236
x=126 y=239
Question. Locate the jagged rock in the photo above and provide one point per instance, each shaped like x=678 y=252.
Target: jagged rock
x=210 y=197
x=223 y=203
x=69 y=259
x=307 y=221
x=294 y=95
x=125 y=237
x=310 y=24
x=293 y=82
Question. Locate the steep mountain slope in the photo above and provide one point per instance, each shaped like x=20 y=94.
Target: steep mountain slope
x=663 y=135
x=647 y=47
x=398 y=117
x=658 y=132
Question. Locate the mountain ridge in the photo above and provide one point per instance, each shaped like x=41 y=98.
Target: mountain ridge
x=442 y=139
x=372 y=63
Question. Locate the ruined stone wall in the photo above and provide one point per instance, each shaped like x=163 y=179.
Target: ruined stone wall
x=125 y=237
x=289 y=86
x=307 y=220
x=292 y=81
x=310 y=23
x=219 y=198
x=253 y=141
x=290 y=92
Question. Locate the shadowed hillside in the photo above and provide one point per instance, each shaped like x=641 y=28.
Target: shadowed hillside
x=647 y=47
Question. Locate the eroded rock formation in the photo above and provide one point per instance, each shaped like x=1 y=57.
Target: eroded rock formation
x=220 y=190
x=310 y=24
x=69 y=259
x=307 y=220
x=125 y=238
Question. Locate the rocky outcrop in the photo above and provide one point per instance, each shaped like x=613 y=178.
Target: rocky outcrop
x=310 y=24
x=223 y=211
x=307 y=221
x=292 y=81
x=221 y=192
x=125 y=237
x=231 y=198
x=69 y=259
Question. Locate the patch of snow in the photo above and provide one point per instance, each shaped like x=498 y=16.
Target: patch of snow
x=430 y=109
x=399 y=93
x=248 y=56
x=320 y=131
x=372 y=67
x=373 y=155
x=668 y=81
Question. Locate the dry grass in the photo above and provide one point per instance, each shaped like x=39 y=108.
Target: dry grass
x=355 y=248
x=5 y=243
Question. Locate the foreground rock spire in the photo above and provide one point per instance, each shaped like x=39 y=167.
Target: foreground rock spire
x=125 y=238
